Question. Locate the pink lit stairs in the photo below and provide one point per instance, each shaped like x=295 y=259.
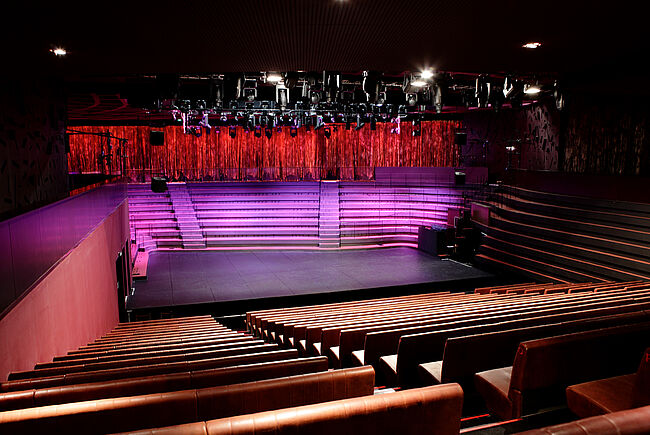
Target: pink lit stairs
x=300 y=215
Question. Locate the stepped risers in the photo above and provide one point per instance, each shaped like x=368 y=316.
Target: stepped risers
x=329 y=233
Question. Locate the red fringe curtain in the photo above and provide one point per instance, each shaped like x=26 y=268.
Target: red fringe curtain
x=348 y=154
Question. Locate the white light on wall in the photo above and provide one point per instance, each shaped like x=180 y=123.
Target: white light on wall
x=59 y=51
x=419 y=83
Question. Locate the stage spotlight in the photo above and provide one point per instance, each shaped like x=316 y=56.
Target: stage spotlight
x=331 y=84
x=370 y=85
x=258 y=131
x=532 y=45
x=373 y=123
x=417 y=128
x=281 y=95
x=273 y=77
x=482 y=91
x=427 y=74
x=437 y=98
x=293 y=132
x=327 y=132
x=532 y=89
x=411 y=99
x=232 y=131
x=319 y=123
x=268 y=132
x=559 y=96
x=348 y=123
x=314 y=97
x=360 y=123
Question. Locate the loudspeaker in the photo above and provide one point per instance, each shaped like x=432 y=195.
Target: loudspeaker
x=156 y=138
x=459 y=178
x=158 y=184
x=460 y=138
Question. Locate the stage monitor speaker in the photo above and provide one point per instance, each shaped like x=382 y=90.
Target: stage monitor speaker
x=431 y=240
x=158 y=184
x=460 y=138
x=459 y=178
x=157 y=138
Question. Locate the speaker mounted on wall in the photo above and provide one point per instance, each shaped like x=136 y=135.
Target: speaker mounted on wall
x=156 y=138
x=460 y=138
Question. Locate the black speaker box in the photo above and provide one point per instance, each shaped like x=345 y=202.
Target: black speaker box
x=460 y=138
x=157 y=138
x=158 y=184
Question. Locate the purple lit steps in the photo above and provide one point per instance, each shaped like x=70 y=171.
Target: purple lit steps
x=286 y=215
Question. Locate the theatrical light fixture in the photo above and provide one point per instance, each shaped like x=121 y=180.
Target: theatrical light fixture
x=327 y=132
x=532 y=45
x=411 y=99
x=427 y=74
x=419 y=83
x=482 y=91
x=319 y=123
x=268 y=132
x=273 y=77
x=58 y=51
x=232 y=131
x=532 y=89
x=293 y=132
x=360 y=123
x=373 y=123
x=258 y=131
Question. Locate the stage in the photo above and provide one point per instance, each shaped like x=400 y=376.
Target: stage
x=242 y=280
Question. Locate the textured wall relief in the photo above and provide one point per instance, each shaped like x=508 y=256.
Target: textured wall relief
x=33 y=163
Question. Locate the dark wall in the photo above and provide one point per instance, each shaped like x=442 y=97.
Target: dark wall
x=33 y=163
x=533 y=130
x=606 y=136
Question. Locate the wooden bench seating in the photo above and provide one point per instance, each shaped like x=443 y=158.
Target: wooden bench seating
x=612 y=394
x=178 y=407
x=414 y=349
x=543 y=368
x=630 y=422
x=419 y=411
x=147 y=370
x=154 y=360
x=465 y=356
x=161 y=383
x=382 y=341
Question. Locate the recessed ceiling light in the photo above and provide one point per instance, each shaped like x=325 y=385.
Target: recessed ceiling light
x=418 y=83
x=58 y=51
x=532 y=89
x=427 y=74
x=532 y=45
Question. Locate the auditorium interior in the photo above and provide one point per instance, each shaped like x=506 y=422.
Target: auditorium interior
x=298 y=217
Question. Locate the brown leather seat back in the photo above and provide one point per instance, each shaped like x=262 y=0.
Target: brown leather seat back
x=153 y=410
x=629 y=422
x=419 y=411
x=642 y=387
x=551 y=364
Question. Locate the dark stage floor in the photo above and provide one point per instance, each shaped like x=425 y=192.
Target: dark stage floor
x=182 y=278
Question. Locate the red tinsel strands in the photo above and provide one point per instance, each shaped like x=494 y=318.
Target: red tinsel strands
x=310 y=155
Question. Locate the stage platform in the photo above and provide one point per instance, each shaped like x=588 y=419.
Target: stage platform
x=237 y=281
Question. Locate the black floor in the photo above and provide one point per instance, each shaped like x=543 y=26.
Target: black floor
x=183 y=278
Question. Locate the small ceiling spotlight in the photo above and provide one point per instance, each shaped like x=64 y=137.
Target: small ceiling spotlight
x=532 y=89
x=426 y=74
x=273 y=77
x=532 y=45
x=411 y=99
x=59 y=51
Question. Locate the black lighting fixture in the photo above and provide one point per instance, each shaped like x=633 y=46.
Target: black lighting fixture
x=232 y=131
x=258 y=131
x=373 y=123
x=360 y=123
x=319 y=123
x=293 y=132
x=348 y=123
x=268 y=132
x=327 y=132
x=513 y=90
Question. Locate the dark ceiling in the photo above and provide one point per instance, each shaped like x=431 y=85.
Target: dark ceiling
x=108 y=41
